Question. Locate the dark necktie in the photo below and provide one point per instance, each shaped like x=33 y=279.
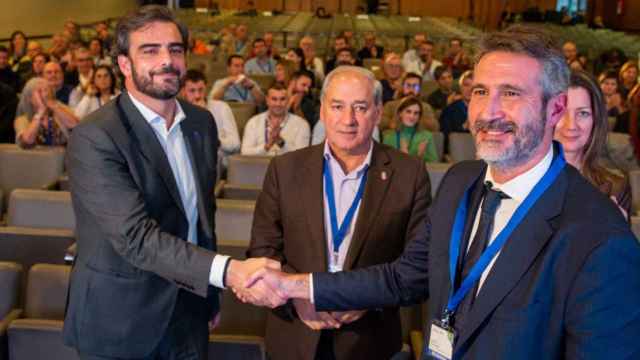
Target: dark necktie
x=480 y=240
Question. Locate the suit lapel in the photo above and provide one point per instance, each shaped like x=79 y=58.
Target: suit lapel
x=312 y=196
x=522 y=248
x=379 y=176
x=149 y=145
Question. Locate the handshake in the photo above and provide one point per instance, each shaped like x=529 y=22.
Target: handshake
x=261 y=282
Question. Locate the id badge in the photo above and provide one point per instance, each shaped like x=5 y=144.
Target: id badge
x=441 y=341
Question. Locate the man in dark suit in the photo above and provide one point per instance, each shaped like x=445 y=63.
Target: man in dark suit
x=292 y=224
x=537 y=264
x=142 y=171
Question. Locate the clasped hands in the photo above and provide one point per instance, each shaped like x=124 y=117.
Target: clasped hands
x=259 y=281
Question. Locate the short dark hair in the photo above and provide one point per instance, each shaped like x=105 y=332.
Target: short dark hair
x=277 y=86
x=4 y=49
x=429 y=42
x=455 y=39
x=139 y=19
x=340 y=37
x=347 y=49
x=257 y=40
x=306 y=73
x=194 y=75
x=234 y=56
x=411 y=75
x=608 y=74
x=46 y=57
x=439 y=71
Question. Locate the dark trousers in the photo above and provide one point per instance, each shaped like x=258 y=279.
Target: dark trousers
x=186 y=337
x=325 y=350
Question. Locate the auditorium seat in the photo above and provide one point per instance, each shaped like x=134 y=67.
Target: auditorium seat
x=28 y=246
x=436 y=174
x=41 y=209
x=225 y=190
x=236 y=347
x=242 y=112
x=372 y=64
x=438 y=139
x=234 y=219
x=10 y=280
x=36 y=168
x=461 y=147
x=247 y=170
x=264 y=81
x=38 y=333
x=428 y=87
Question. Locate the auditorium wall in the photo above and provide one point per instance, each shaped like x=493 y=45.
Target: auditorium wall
x=40 y=17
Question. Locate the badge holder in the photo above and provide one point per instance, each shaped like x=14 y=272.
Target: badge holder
x=441 y=338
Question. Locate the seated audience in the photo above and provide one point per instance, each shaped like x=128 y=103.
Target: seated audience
x=37 y=65
x=296 y=56
x=261 y=63
x=456 y=59
x=411 y=86
x=18 y=57
x=408 y=134
x=106 y=39
x=97 y=52
x=628 y=78
x=454 y=117
x=411 y=56
x=52 y=72
x=8 y=105
x=41 y=119
x=613 y=99
x=583 y=134
x=268 y=43
x=100 y=90
x=345 y=56
x=284 y=70
x=236 y=86
x=81 y=77
x=444 y=95
x=570 y=51
x=275 y=131
x=302 y=102
x=392 y=80
x=339 y=43
x=7 y=76
x=193 y=91
x=424 y=65
x=370 y=50
x=241 y=41
x=311 y=61
x=59 y=50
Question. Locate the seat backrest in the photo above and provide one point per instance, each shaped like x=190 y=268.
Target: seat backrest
x=28 y=246
x=371 y=63
x=41 y=209
x=461 y=147
x=234 y=219
x=247 y=170
x=242 y=347
x=264 y=81
x=634 y=181
x=438 y=139
x=242 y=112
x=47 y=291
x=10 y=280
x=29 y=169
x=436 y=174
x=240 y=192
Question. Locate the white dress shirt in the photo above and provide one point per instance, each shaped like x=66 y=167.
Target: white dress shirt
x=226 y=124
x=175 y=149
x=517 y=189
x=294 y=130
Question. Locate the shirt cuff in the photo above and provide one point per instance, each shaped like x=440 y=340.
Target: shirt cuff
x=218 y=269
x=311 y=289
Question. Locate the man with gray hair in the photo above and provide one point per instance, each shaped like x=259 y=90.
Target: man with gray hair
x=520 y=256
x=360 y=203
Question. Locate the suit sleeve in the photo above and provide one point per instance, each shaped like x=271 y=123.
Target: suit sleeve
x=602 y=313
x=104 y=190
x=400 y=283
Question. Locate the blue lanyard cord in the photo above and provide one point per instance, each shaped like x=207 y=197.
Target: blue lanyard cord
x=338 y=233
x=262 y=68
x=487 y=256
x=244 y=95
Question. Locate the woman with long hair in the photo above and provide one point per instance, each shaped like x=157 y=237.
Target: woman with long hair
x=296 y=56
x=628 y=77
x=17 y=49
x=408 y=133
x=583 y=134
x=101 y=89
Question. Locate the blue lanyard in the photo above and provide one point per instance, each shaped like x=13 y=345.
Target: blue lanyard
x=338 y=233
x=244 y=95
x=268 y=71
x=480 y=266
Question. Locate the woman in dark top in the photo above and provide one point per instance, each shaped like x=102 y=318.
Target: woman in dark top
x=583 y=134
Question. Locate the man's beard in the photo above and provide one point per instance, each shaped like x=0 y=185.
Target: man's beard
x=145 y=84
x=526 y=141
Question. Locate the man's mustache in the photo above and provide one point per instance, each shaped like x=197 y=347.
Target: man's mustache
x=494 y=125
x=169 y=69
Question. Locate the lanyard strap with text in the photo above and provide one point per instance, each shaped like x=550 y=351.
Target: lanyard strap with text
x=487 y=256
x=338 y=233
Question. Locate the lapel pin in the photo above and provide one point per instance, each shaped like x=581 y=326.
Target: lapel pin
x=383 y=175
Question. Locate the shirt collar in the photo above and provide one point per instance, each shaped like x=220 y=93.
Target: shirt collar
x=519 y=187
x=152 y=117
x=359 y=170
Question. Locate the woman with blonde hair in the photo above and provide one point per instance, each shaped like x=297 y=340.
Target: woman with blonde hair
x=408 y=133
x=628 y=77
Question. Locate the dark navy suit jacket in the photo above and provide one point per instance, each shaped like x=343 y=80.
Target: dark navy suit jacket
x=566 y=284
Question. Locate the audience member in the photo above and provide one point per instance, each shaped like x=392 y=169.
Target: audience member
x=284 y=70
x=345 y=57
x=611 y=90
x=628 y=78
x=583 y=134
x=312 y=62
x=456 y=58
x=193 y=91
x=370 y=50
x=392 y=80
x=424 y=64
x=41 y=119
x=576 y=65
x=570 y=51
x=18 y=51
x=408 y=134
x=71 y=29
x=339 y=43
x=241 y=41
x=454 y=117
x=411 y=86
x=236 y=86
x=301 y=100
x=275 y=131
x=37 y=65
x=106 y=39
x=411 y=56
x=97 y=52
x=7 y=76
x=101 y=89
x=268 y=43
x=80 y=78
x=262 y=63
x=59 y=50
x=296 y=56
x=52 y=72
x=8 y=105
x=444 y=94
